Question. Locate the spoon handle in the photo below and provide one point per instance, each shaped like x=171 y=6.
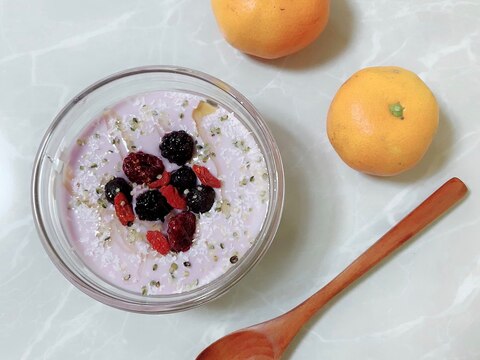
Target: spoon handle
x=434 y=206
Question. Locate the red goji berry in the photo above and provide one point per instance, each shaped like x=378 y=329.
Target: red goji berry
x=158 y=241
x=123 y=209
x=206 y=177
x=163 y=181
x=174 y=199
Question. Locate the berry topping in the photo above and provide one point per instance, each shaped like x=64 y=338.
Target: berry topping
x=115 y=186
x=152 y=206
x=200 y=199
x=163 y=181
x=158 y=241
x=183 y=178
x=177 y=147
x=206 y=177
x=174 y=199
x=123 y=209
x=181 y=229
x=142 y=168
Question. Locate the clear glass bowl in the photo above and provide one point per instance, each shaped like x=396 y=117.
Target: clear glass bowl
x=47 y=177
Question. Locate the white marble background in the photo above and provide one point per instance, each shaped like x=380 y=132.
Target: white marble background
x=424 y=303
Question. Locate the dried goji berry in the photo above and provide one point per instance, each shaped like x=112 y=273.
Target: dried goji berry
x=163 y=181
x=123 y=209
x=206 y=177
x=158 y=241
x=174 y=199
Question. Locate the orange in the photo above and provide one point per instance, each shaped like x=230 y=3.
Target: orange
x=271 y=28
x=382 y=120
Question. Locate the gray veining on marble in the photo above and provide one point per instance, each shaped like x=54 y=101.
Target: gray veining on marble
x=424 y=303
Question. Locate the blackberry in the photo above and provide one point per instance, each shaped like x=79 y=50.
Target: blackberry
x=200 y=199
x=142 y=168
x=177 y=147
x=152 y=206
x=181 y=229
x=118 y=185
x=183 y=178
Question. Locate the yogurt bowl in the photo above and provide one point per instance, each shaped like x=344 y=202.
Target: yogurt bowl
x=136 y=111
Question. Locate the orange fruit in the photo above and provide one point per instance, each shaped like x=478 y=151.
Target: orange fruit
x=271 y=28
x=382 y=120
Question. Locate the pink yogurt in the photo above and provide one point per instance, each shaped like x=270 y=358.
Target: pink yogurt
x=121 y=255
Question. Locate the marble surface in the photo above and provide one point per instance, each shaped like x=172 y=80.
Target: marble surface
x=424 y=303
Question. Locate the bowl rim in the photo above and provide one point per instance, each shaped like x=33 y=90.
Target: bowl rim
x=133 y=306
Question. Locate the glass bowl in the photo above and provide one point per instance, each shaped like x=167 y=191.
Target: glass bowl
x=68 y=124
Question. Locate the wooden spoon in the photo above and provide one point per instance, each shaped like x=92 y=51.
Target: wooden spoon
x=269 y=339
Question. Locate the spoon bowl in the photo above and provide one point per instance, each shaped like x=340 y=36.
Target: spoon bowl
x=252 y=342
